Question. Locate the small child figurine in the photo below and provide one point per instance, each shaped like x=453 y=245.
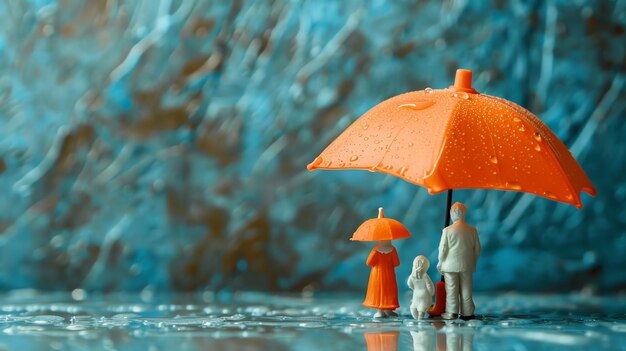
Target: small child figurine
x=422 y=287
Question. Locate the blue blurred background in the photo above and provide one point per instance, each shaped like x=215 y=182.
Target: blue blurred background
x=162 y=145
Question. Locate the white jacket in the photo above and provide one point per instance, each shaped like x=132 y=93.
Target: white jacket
x=459 y=248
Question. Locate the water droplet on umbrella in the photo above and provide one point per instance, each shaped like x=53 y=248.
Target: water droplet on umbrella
x=513 y=186
x=418 y=105
x=517 y=119
x=318 y=161
x=366 y=138
x=461 y=94
x=549 y=194
x=521 y=128
x=493 y=160
x=411 y=144
x=329 y=163
x=569 y=197
x=365 y=127
x=428 y=90
x=403 y=171
x=537 y=147
x=354 y=158
x=537 y=136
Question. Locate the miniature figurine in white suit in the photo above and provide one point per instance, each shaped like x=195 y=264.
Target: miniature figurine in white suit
x=422 y=287
x=459 y=249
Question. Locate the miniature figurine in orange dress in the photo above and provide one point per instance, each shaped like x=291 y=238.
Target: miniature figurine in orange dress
x=382 y=289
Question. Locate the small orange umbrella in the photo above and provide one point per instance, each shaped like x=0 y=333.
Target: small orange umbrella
x=380 y=228
x=457 y=138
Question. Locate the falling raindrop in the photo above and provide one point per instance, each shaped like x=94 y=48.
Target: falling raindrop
x=493 y=160
x=537 y=147
x=428 y=90
x=354 y=158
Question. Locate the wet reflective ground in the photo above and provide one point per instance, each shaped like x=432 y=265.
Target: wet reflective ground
x=251 y=321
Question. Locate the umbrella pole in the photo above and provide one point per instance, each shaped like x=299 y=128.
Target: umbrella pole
x=448 y=205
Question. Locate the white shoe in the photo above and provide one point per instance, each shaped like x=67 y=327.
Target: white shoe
x=380 y=314
x=449 y=315
x=391 y=313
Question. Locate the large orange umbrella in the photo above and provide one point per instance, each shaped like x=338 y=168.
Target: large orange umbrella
x=457 y=138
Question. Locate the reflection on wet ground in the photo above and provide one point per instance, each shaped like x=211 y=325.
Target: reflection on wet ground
x=254 y=321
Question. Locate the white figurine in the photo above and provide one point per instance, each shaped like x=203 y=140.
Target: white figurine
x=422 y=287
x=458 y=252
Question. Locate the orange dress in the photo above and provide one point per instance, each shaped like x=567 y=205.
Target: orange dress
x=382 y=290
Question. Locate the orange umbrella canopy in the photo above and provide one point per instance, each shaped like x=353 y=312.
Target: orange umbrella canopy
x=457 y=138
x=380 y=228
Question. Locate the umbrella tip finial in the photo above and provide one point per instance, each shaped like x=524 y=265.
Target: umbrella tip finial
x=381 y=213
x=463 y=81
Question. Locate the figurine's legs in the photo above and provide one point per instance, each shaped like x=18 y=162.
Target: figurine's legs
x=380 y=314
x=452 y=295
x=391 y=313
x=467 y=302
x=420 y=315
x=414 y=312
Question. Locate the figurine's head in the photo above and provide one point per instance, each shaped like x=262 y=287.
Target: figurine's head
x=457 y=212
x=420 y=265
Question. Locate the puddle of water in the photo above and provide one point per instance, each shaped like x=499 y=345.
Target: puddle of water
x=255 y=321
